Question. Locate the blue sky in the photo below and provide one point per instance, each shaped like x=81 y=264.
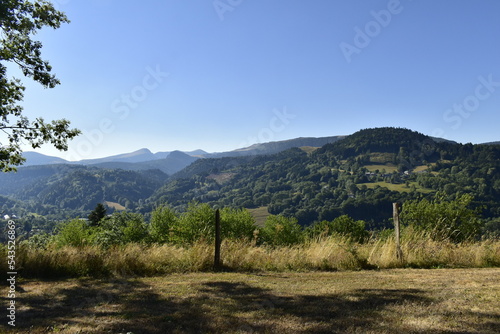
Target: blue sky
x=219 y=75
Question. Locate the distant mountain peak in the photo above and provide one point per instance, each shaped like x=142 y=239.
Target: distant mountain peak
x=145 y=155
x=142 y=151
x=177 y=153
x=277 y=146
x=35 y=158
x=141 y=155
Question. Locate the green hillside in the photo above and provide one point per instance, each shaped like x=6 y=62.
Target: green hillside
x=360 y=175
x=79 y=188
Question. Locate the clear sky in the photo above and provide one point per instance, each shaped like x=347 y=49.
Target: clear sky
x=219 y=75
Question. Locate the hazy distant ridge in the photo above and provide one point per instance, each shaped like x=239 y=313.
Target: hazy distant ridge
x=144 y=159
x=145 y=155
x=277 y=146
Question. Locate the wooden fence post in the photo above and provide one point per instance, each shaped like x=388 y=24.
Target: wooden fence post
x=395 y=214
x=217 y=264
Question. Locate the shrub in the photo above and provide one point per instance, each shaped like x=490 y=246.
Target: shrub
x=75 y=233
x=122 y=228
x=452 y=220
x=343 y=225
x=237 y=224
x=197 y=223
x=39 y=241
x=163 y=219
x=281 y=231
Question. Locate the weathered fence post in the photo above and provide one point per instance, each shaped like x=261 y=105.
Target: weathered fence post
x=217 y=264
x=395 y=214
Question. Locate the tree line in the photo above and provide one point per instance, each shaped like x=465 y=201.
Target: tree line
x=454 y=221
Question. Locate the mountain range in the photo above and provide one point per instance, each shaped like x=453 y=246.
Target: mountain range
x=171 y=162
x=144 y=156
x=308 y=178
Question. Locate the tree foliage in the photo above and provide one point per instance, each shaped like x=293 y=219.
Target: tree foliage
x=453 y=220
x=121 y=228
x=336 y=180
x=163 y=220
x=97 y=214
x=20 y=20
x=343 y=225
x=340 y=179
x=75 y=233
x=281 y=231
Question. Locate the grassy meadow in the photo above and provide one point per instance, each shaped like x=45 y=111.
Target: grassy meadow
x=325 y=283
x=400 y=187
x=369 y=301
x=329 y=253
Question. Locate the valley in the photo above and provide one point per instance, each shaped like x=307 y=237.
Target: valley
x=359 y=175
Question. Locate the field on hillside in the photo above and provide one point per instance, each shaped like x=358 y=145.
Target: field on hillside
x=399 y=187
x=385 y=301
x=259 y=214
x=389 y=168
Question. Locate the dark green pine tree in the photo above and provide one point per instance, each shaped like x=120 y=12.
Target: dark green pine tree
x=97 y=214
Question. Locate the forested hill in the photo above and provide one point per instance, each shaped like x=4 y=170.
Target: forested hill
x=77 y=189
x=360 y=175
x=277 y=146
x=383 y=140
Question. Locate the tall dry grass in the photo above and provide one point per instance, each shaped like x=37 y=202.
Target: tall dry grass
x=326 y=254
x=420 y=250
x=96 y=261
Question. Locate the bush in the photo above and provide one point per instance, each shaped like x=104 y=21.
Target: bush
x=197 y=223
x=122 y=228
x=281 y=231
x=343 y=225
x=39 y=241
x=452 y=220
x=163 y=219
x=75 y=233
x=237 y=224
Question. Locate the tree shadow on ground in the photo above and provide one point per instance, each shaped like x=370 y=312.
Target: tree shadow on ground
x=332 y=313
x=358 y=311
x=130 y=305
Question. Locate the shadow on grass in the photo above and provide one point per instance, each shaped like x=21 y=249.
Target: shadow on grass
x=130 y=305
x=358 y=310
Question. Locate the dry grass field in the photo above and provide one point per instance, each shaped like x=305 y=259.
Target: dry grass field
x=259 y=214
x=399 y=187
x=372 y=301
